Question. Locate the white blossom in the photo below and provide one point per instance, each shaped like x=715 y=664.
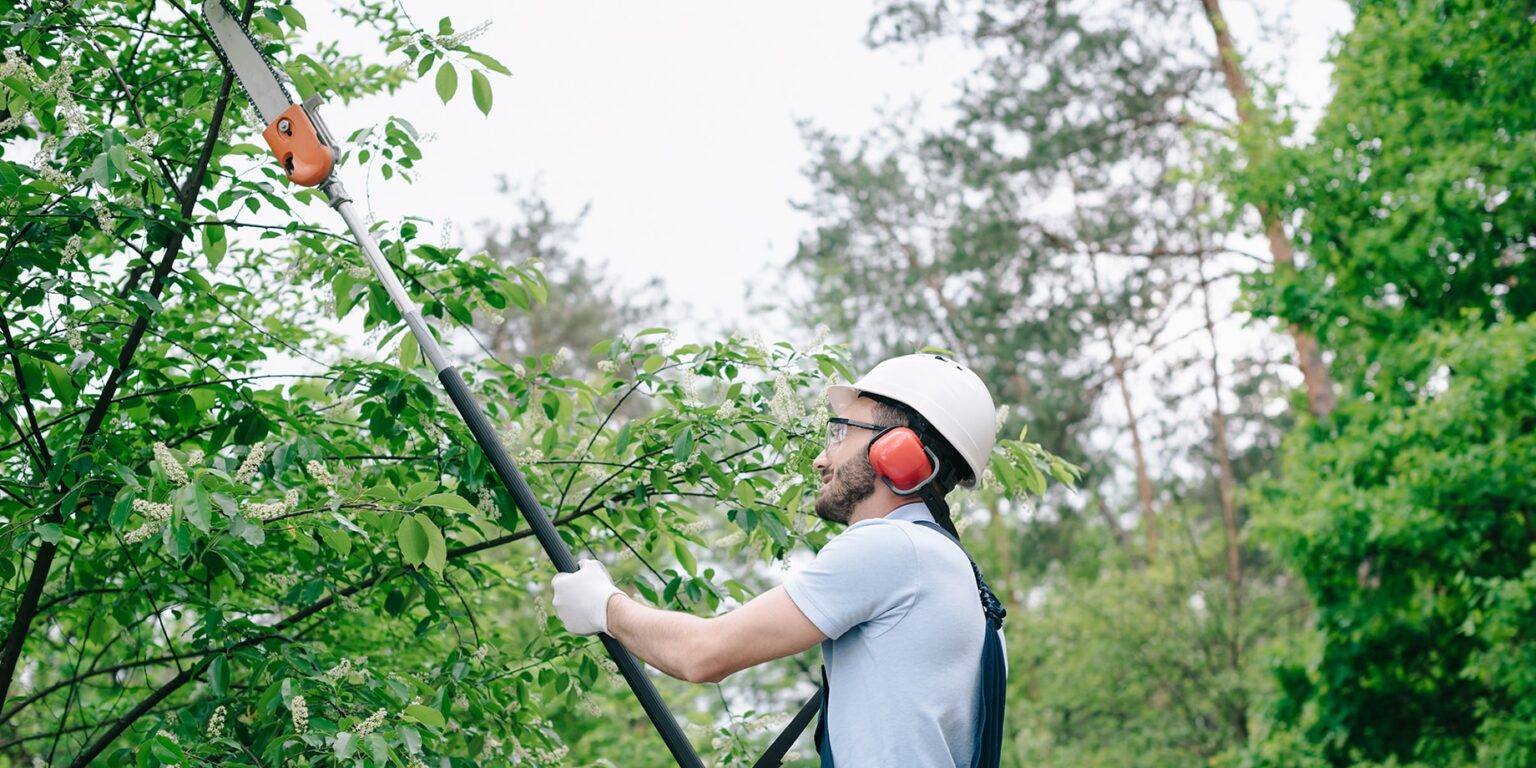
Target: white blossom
x=607 y=366
x=195 y=457
x=172 y=468
x=216 y=723
x=480 y=653
x=608 y=666
x=153 y=510
x=434 y=433
x=691 y=390
x=104 y=217
x=300 y=709
x=372 y=723
x=359 y=273
x=144 y=531
x=492 y=744
x=785 y=405
x=147 y=142
x=71 y=250
x=726 y=411
x=262 y=511
x=460 y=38
x=342 y=671
x=562 y=356
x=319 y=472
x=252 y=463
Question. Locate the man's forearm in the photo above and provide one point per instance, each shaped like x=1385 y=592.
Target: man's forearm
x=673 y=642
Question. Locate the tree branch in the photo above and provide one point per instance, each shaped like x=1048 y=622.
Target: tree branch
x=27 y=608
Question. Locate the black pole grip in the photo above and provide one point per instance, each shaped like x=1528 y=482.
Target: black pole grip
x=554 y=546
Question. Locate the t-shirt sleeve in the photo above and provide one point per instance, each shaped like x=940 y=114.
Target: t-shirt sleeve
x=867 y=573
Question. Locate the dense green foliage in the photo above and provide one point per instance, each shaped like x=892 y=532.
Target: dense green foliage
x=1411 y=516
x=1382 y=616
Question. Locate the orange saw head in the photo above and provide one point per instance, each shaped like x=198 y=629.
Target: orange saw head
x=297 y=144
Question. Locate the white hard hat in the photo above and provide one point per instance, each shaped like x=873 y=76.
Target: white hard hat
x=949 y=395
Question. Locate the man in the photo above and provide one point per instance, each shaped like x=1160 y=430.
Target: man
x=892 y=600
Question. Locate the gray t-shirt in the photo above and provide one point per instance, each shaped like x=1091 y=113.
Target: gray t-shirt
x=899 y=604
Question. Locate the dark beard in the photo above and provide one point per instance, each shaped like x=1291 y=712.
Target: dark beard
x=851 y=483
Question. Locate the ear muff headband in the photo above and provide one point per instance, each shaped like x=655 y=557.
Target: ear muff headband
x=899 y=457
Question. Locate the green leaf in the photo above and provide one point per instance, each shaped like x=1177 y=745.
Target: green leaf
x=451 y=501
x=447 y=81
x=436 y=556
x=682 y=447
x=198 y=508
x=652 y=363
x=293 y=16
x=218 y=675
x=63 y=386
x=420 y=489
x=685 y=557
x=488 y=62
x=414 y=544
x=50 y=532
x=215 y=244
x=346 y=744
x=410 y=352
x=481 y=88
x=337 y=539
x=425 y=715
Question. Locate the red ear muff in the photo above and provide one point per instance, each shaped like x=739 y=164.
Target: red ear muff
x=902 y=461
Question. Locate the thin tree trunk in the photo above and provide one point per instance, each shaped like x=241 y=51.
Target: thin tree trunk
x=26 y=608
x=1223 y=454
x=1226 y=485
x=1309 y=357
x=1143 y=478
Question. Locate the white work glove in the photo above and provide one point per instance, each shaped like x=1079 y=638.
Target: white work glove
x=581 y=598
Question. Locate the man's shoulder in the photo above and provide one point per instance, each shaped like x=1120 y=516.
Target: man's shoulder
x=876 y=532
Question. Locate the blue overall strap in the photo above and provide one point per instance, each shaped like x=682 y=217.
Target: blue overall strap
x=987 y=750
x=823 y=737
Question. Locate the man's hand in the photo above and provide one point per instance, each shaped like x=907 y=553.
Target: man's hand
x=581 y=598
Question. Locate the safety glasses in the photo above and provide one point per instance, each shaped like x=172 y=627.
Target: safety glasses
x=837 y=429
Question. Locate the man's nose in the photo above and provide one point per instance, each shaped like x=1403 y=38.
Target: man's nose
x=821 y=463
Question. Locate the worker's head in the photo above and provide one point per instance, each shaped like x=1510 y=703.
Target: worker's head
x=911 y=421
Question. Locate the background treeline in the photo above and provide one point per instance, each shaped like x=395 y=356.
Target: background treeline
x=1299 y=371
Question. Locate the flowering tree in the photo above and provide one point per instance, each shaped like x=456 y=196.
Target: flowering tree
x=234 y=538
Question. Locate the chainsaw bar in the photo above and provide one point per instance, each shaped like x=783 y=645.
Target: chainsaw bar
x=257 y=77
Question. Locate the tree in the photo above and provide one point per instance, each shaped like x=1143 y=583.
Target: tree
x=232 y=544
x=1410 y=520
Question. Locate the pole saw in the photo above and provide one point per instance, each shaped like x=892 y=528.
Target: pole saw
x=306 y=149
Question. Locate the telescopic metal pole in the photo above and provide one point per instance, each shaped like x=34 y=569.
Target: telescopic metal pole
x=485 y=435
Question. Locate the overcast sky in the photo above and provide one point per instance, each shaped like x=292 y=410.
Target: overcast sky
x=676 y=121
